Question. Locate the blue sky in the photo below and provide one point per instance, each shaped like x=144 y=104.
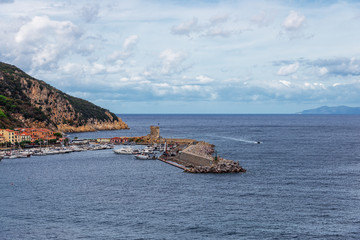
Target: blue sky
x=227 y=56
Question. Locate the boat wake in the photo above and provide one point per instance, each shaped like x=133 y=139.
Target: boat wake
x=242 y=140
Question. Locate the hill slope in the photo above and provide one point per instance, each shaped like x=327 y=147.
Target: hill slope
x=28 y=102
x=333 y=110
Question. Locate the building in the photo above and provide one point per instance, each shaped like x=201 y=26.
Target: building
x=103 y=140
x=2 y=139
x=10 y=135
x=118 y=140
x=37 y=133
x=25 y=137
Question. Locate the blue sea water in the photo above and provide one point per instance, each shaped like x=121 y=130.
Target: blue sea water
x=302 y=182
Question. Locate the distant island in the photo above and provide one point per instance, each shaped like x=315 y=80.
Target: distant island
x=332 y=110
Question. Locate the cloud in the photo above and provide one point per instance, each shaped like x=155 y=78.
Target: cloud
x=262 y=19
x=204 y=79
x=42 y=41
x=217 y=26
x=293 y=21
x=90 y=13
x=6 y=1
x=286 y=83
x=289 y=69
x=218 y=31
x=219 y=19
x=171 y=61
x=128 y=47
x=186 y=28
x=338 y=66
x=130 y=42
x=323 y=71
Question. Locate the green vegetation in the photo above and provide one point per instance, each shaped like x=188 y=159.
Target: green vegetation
x=15 y=99
x=19 y=106
x=87 y=109
x=58 y=135
x=2 y=114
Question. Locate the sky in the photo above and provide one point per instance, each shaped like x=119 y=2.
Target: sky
x=204 y=56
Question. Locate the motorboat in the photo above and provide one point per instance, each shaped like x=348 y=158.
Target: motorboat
x=144 y=156
x=19 y=156
x=124 y=151
x=136 y=151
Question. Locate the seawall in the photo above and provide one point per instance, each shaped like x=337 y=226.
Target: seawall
x=191 y=159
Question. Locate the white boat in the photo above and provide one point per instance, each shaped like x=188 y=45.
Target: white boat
x=39 y=153
x=124 y=151
x=148 y=149
x=144 y=156
x=19 y=156
x=136 y=151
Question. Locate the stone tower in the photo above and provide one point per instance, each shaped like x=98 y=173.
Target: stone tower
x=154 y=132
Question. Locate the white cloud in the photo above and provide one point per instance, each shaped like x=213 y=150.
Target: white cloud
x=128 y=48
x=323 y=71
x=293 y=21
x=289 y=69
x=286 y=83
x=90 y=13
x=218 y=31
x=262 y=19
x=218 y=19
x=130 y=42
x=43 y=41
x=171 y=61
x=204 y=79
x=314 y=85
x=219 y=25
x=186 y=28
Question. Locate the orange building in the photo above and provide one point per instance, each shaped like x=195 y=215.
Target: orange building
x=37 y=133
x=116 y=140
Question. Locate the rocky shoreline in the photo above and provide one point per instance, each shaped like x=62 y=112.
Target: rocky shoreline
x=93 y=126
x=224 y=167
x=198 y=158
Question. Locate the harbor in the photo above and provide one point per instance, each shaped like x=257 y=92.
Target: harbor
x=190 y=155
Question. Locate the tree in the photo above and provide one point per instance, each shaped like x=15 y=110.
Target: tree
x=58 y=135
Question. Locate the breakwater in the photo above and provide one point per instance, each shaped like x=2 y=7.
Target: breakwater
x=188 y=154
x=200 y=157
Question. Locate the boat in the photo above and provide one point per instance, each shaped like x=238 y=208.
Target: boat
x=39 y=153
x=144 y=156
x=19 y=156
x=124 y=151
x=136 y=151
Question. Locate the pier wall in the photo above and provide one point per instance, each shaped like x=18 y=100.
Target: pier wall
x=191 y=159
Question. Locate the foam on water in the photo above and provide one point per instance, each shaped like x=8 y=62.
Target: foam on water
x=241 y=140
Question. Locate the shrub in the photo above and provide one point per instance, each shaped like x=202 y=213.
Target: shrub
x=2 y=114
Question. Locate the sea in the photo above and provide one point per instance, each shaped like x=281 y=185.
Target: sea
x=302 y=182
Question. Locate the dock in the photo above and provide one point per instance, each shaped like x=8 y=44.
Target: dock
x=173 y=164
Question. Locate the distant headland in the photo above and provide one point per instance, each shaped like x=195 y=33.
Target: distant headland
x=31 y=103
x=332 y=110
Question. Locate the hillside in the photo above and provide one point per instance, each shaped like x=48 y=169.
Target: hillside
x=28 y=102
x=333 y=110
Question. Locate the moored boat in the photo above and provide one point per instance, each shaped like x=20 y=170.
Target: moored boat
x=124 y=151
x=144 y=156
